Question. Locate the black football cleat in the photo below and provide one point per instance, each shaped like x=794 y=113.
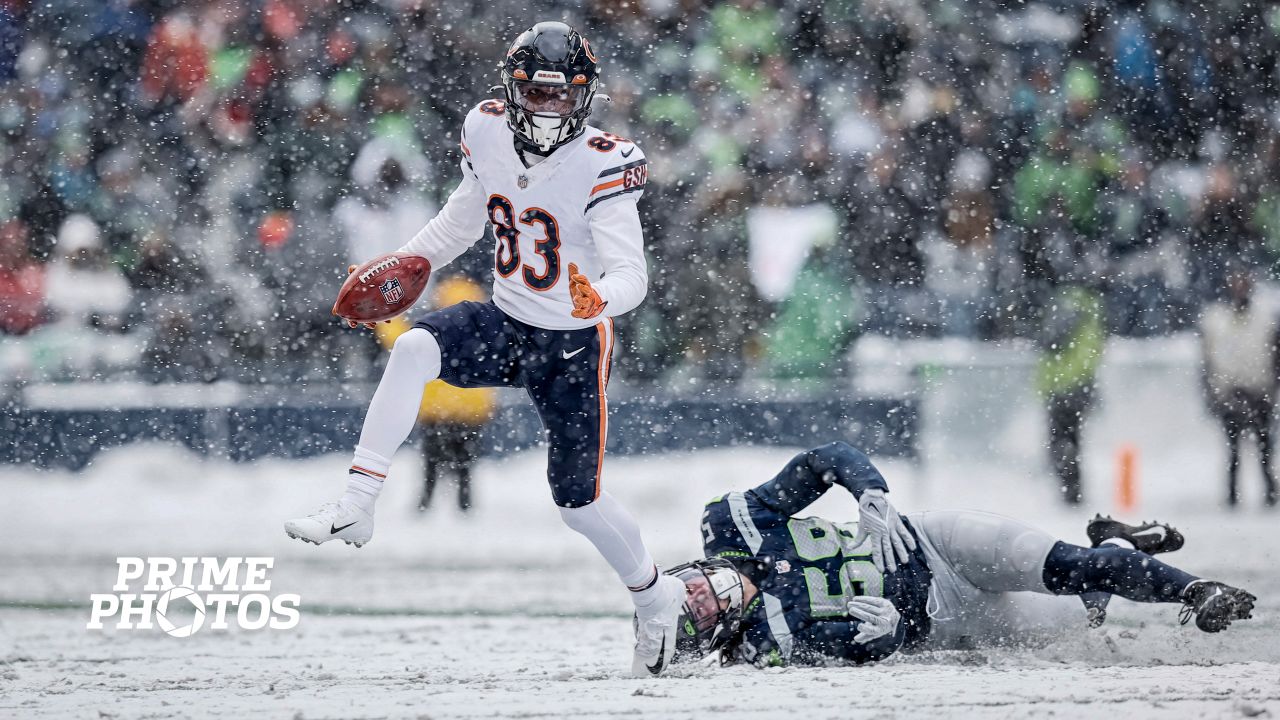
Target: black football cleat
x=1215 y=605
x=1151 y=538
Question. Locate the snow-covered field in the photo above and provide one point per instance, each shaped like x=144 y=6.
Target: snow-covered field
x=507 y=614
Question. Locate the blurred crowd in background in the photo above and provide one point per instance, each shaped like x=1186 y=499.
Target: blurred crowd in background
x=183 y=182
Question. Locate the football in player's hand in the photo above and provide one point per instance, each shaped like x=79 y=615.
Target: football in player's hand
x=382 y=288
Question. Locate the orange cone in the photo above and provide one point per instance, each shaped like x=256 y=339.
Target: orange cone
x=1127 y=479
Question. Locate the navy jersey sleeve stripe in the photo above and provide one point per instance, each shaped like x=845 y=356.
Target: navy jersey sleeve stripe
x=622 y=168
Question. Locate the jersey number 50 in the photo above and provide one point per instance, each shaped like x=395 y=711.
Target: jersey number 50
x=507 y=254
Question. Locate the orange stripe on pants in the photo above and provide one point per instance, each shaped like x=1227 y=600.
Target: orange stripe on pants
x=602 y=378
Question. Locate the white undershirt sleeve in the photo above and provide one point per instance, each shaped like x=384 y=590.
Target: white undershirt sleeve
x=619 y=242
x=458 y=225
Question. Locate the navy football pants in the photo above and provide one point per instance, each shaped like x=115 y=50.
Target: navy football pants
x=564 y=371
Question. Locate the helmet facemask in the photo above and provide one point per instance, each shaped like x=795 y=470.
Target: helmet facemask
x=713 y=607
x=547 y=114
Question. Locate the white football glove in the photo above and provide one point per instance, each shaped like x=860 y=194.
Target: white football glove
x=890 y=539
x=878 y=617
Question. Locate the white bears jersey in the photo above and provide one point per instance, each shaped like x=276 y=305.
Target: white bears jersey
x=576 y=206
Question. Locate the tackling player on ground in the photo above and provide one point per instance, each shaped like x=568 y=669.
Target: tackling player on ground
x=561 y=196
x=779 y=589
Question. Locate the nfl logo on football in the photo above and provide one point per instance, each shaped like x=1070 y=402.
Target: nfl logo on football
x=391 y=291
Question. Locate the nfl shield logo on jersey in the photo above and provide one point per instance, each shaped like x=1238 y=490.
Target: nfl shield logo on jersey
x=391 y=291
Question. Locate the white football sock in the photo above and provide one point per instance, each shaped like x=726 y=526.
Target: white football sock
x=364 y=480
x=616 y=535
x=414 y=362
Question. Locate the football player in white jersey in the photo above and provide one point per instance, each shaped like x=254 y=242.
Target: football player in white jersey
x=561 y=196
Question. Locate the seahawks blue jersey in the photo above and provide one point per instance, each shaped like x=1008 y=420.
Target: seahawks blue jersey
x=807 y=568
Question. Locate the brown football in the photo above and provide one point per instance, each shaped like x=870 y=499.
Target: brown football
x=382 y=288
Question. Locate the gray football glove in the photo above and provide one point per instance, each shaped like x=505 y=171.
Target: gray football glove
x=878 y=617
x=890 y=539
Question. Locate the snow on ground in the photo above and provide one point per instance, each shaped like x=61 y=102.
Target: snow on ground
x=508 y=614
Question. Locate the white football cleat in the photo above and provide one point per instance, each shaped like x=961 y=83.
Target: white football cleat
x=656 y=629
x=333 y=521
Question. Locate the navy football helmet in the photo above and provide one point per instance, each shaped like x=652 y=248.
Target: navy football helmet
x=550 y=77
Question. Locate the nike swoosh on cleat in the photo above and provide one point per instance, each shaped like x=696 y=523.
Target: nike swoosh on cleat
x=662 y=653
x=566 y=354
x=335 y=530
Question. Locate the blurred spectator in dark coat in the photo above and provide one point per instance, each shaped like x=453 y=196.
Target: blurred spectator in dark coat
x=1221 y=234
x=176 y=351
x=167 y=297
x=884 y=220
x=1239 y=342
x=962 y=267
x=10 y=39
x=714 y=271
x=1138 y=70
x=1140 y=299
x=162 y=267
x=42 y=213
